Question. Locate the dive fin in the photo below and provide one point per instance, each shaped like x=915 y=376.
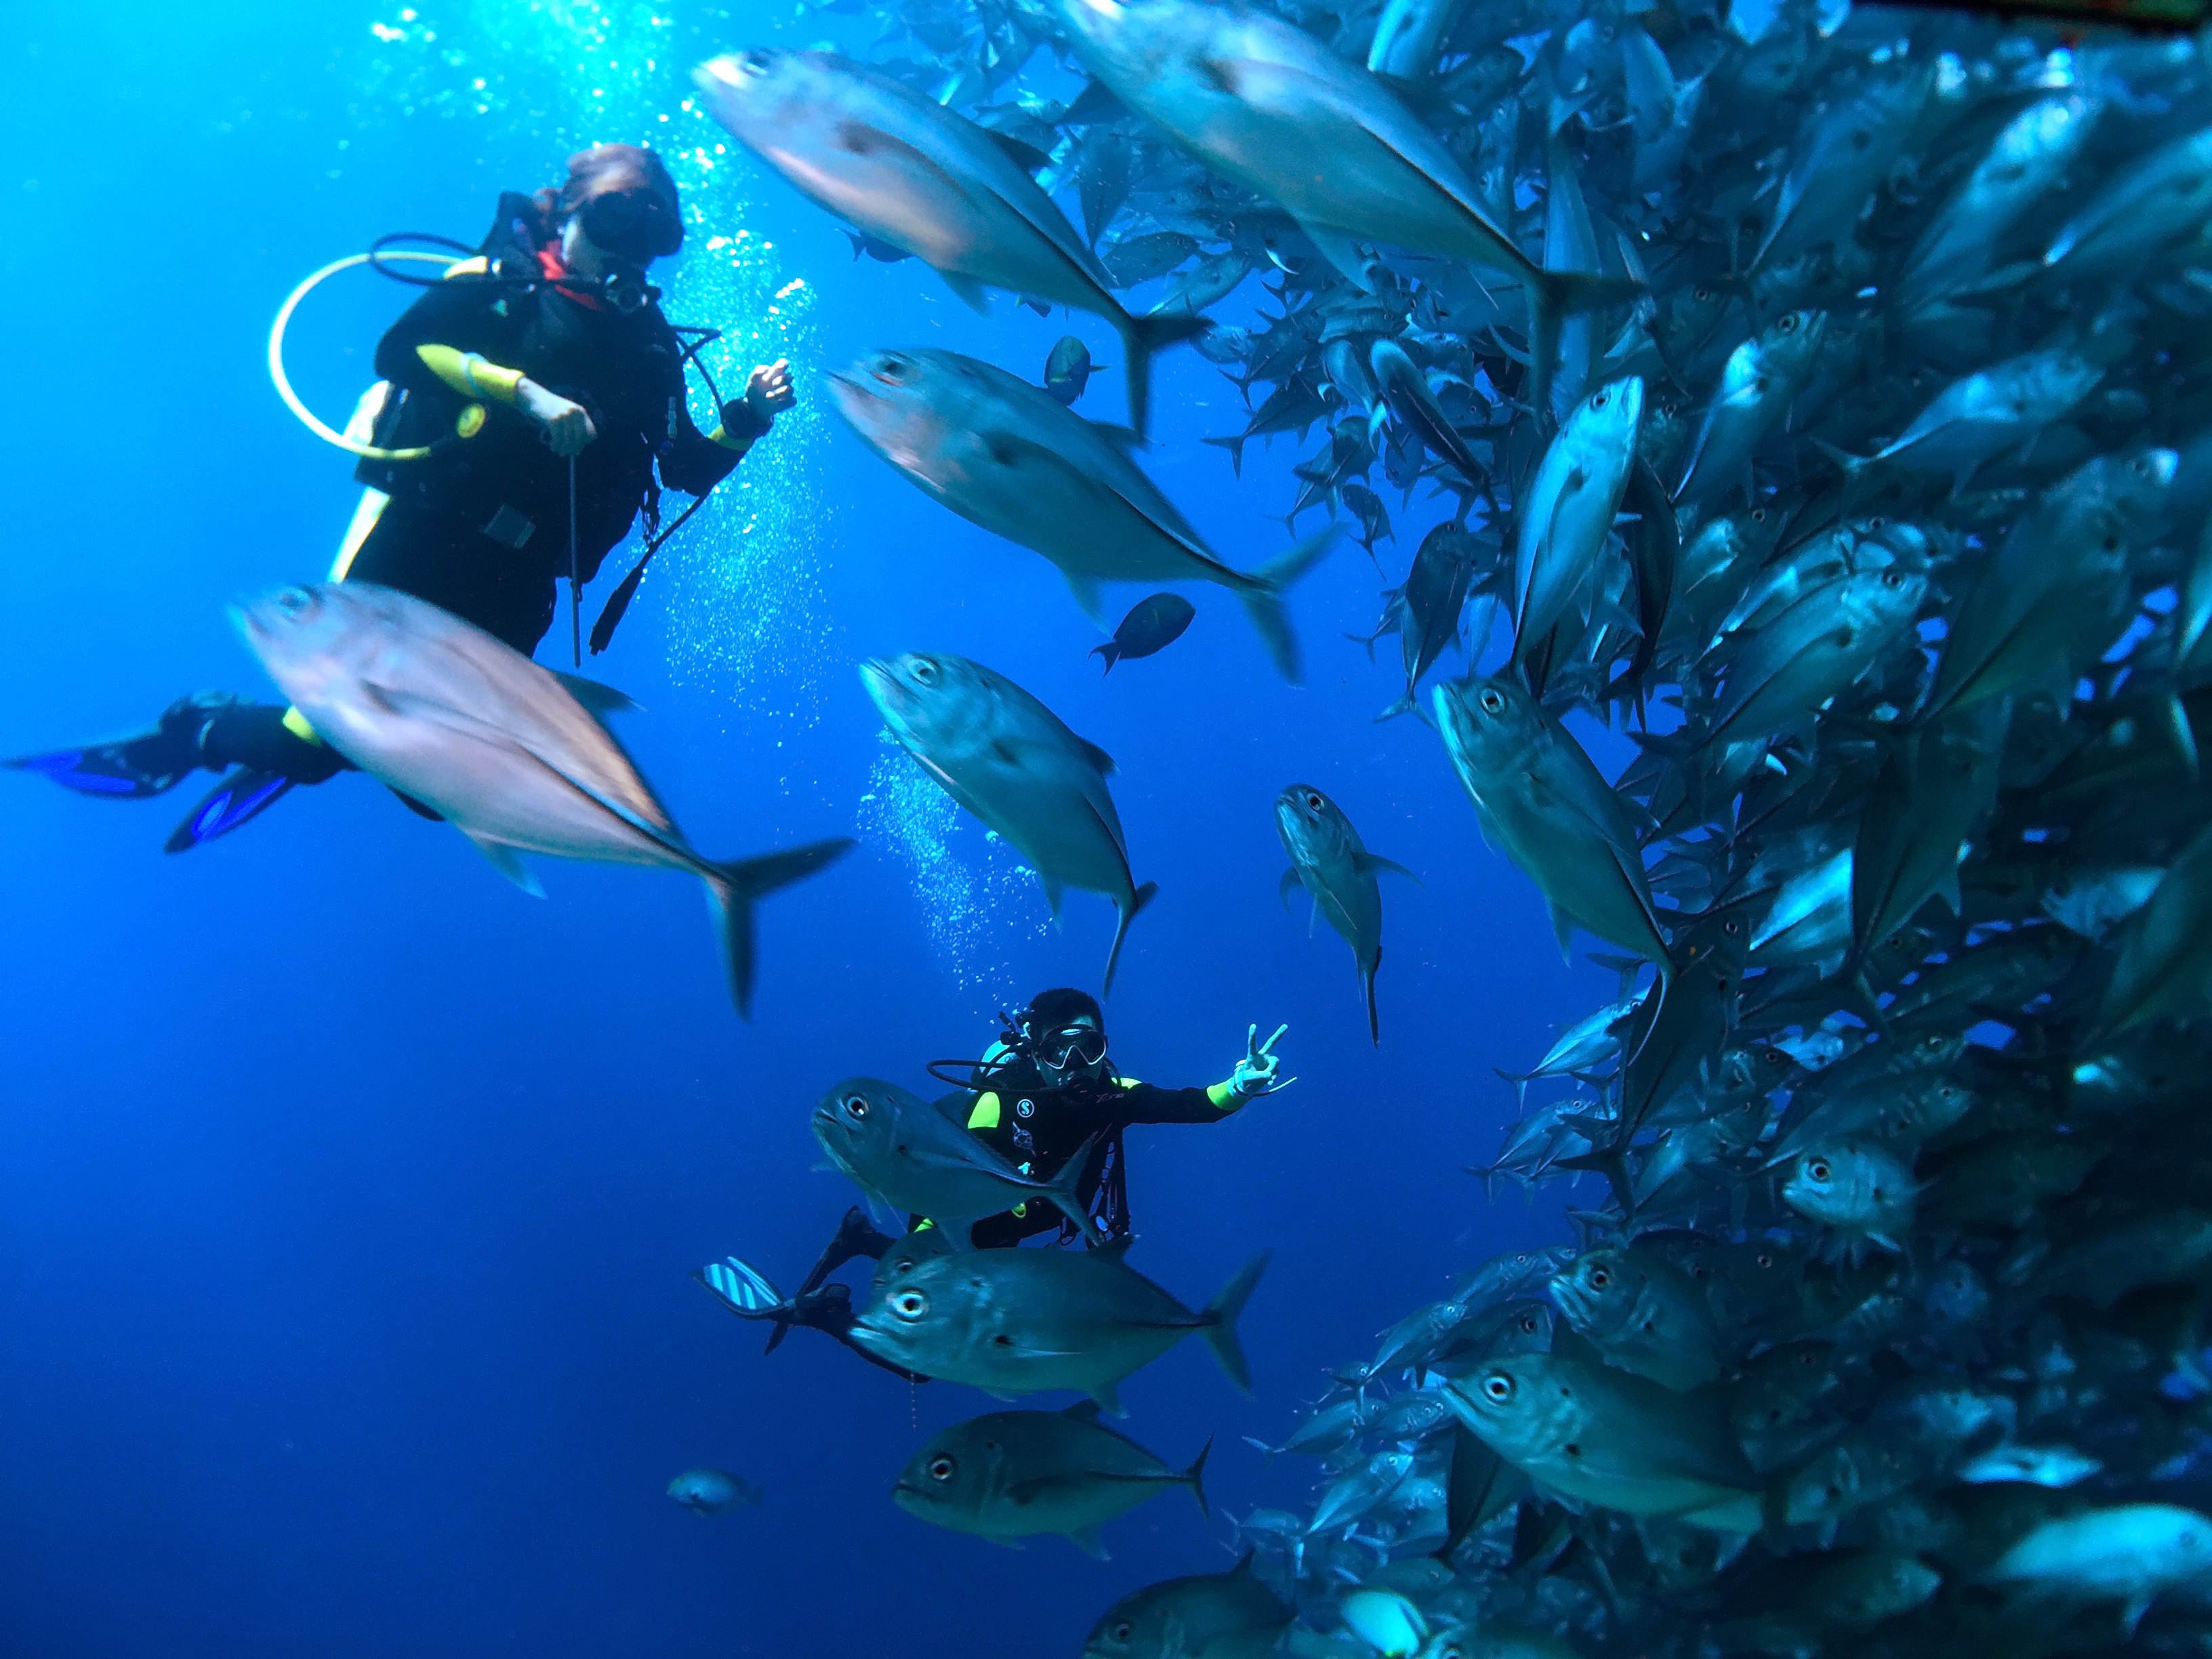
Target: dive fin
x=1263 y=600
x=1219 y=1322
x=1140 y=337
x=245 y=794
x=1142 y=896
x=734 y=888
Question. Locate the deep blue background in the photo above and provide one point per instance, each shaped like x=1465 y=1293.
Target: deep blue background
x=347 y=1197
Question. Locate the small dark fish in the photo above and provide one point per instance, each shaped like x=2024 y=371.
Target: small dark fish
x=1152 y=625
x=1068 y=370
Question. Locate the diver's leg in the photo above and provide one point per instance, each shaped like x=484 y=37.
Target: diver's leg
x=856 y=1236
x=263 y=751
x=144 y=764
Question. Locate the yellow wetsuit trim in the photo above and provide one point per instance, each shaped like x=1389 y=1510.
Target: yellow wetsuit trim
x=984 y=1115
x=297 y=724
x=740 y=445
x=469 y=374
x=1225 y=1096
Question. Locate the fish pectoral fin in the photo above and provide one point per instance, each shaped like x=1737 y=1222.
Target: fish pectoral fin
x=1342 y=252
x=1087 y=1539
x=971 y=294
x=1055 y=891
x=1375 y=864
x=596 y=698
x=1288 y=883
x=508 y=862
x=1087 y=596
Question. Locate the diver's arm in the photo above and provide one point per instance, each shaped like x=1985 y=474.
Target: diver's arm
x=1146 y=1103
x=697 y=461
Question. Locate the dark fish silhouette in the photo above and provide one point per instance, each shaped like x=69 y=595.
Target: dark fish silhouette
x=1152 y=625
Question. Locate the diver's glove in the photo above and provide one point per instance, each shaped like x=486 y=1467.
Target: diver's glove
x=1255 y=1074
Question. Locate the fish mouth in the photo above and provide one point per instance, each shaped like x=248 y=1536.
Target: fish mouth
x=885 y=690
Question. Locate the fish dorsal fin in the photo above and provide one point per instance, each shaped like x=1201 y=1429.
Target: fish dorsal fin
x=1082 y=1411
x=598 y=699
x=1124 y=438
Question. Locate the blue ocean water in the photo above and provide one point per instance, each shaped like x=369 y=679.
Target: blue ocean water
x=349 y=1198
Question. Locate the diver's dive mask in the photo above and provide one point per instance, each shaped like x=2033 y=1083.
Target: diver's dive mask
x=638 y=226
x=1071 y=1048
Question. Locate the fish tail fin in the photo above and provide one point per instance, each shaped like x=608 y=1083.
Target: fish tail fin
x=1219 y=1320
x=1138 y=901
x=1063 y=1192
x=1140 y=337
x=1236 y=448
x=735 y=887
x=1263 y=598
x=1195 y=1477
x=1111 y=651
x=1557 y=295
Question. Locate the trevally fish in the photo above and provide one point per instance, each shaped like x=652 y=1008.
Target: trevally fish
x=1330 y=861
x=1019 y=1321
x=1259 y=99
x=1007 y=455
x=899 y=1149
x=908 y=172
x=1219 y=1615
x=1007 y=1475
x=711 y=1492
x=1008 y=760
x=511 y=754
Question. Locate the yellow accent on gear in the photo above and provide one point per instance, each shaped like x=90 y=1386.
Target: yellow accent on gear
x=472 y=375
x=470 y=420
x=297 y=724
x=1225 y=1096
x=719 y=435
x=985 y=1113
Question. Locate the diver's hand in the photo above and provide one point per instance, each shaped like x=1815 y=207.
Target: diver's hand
x=564 y=426
x=768 y=391
x=1255 y=1074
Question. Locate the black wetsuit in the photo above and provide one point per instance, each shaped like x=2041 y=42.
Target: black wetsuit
x=481 y=527
x=1039 y=1128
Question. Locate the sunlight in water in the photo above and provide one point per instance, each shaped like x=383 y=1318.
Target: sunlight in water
x=736 y=599
x=977 y=897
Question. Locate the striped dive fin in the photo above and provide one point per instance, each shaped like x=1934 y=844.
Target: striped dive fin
x=741 y=1286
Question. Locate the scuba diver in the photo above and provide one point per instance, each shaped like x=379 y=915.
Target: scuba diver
x=540 y=388
x=1044 y=1092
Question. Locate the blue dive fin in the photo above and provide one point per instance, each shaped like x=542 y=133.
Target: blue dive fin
x=245 y=792
x=103 y=769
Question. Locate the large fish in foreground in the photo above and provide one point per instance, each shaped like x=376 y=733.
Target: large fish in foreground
x=897 y=1147
x=1331 y=863
x=1276 y=110
x=1008 y=760
x=511 y=754
x=1012 y=457
x=1015 y=1322
x=913 y=174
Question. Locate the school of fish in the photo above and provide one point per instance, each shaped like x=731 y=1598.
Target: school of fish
x=1805 y=410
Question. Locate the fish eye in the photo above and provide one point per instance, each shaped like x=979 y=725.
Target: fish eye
x=2111 y=543
x=1701 y=292
x=1818 y=1170
x=942 y=1468
x=857 y=1106
x=1788 y=323
x=892 y=369
x=1599 y=1279
x=1892 y=579
x=1597 y=399
x=1498 y=1386
x=1313 y=800
x=1758 y=515
x=297 y=602
x=1763 y=1259
x=909 y=1304
x=924 y=669
x=756 y=62
x=1528 y=1323
x=1123 y=1631
x=1492 y=701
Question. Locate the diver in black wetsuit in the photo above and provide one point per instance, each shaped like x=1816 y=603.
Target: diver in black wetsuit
x=544 y=360
x=1045 y=1091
